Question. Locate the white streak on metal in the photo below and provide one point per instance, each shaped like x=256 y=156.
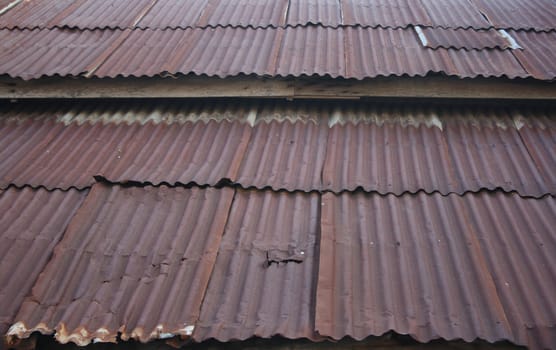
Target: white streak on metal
x=10 y=5
x=518 y=122
x=513 y=44
x=421 y=36
x=17 y=329
x=189 y=330
x=435 y=121
x=252 y=116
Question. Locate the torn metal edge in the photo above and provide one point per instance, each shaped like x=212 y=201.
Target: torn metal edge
x=513 y=43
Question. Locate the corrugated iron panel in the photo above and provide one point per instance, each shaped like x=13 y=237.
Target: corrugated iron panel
x=244 y=13
x=33 y=14
x=538 y=54
x=388 y=159
x=215 y=51
x=50 y=154
x=173 y=14
x=35 y=53
x=320 y=12
x=517 y=238
x=384 y=13
x=411 y=264
x=517 y=14
x=284 y=155
x=540 y=141
x=455 y=14
x=485 y=63
x=264 y=280
x=385 y=52
x=31 y=224
x=490 y=157
x=134 y=261
x=468 y=39
x=312 y=51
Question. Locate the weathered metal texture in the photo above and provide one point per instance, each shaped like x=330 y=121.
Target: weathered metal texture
x=264 y=279
x=84 y=14
x=384 y=13
x=516 y=14
x=517 y=238
x=134 y=262
x=218 y=52
x=325 y=13
x=312 y=51
x=387 y=52
x=468 y=39
x=540 y=140
x=491 y=157
x=244 y=13
x=33 y=14
x=31 y=224
x=388 y=159
x=52 y=155
x=173 y=14
x=538 y=55
x=413 y=264
x=285 y=155
x=32 y=54
x=455 y=14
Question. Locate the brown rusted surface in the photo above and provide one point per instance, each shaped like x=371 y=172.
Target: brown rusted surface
x=467 y=39
x=421 y=265
x=264 y=280
x=49 y=154
x=347 y=52
x=285 y=155
x=532 y=14
x=31 y=224
x=134 y=261
x=326 y=13
x=538 y=54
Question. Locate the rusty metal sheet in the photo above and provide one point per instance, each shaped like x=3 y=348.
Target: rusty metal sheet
x=325 y=13
x=384 y=13
x=468 y=39
x=413 y=264
x=173 y=14
x=516 y=14
x=83 y=14
x=50 y=154
x=134 y=262
x=218 y=52
x=31 y=224
x=538 y=54
x=244 y=13
x=455 y=14
x=540 y=141
x=518 y=242
x=312 y=51
x=492 y=157
x=35 y=53
x=264 y=279
x=284 y=155
x=388 y=159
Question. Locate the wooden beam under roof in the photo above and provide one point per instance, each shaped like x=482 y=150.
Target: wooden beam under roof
x=291 y=88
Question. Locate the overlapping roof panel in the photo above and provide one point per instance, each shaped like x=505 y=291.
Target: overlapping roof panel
x=264 y=279
x=31 y=225
x=514 y=14
x=151 y=246
x=293 y=146
x=538 y=55
x=464 y=39
x=419 y=265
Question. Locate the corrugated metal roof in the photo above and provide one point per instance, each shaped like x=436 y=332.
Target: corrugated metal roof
x=264 y=280
x=173 y=14
x=467 y=39
x=152 y=247
x=321 y=12
x=455 y=14
x=31 y=225
x=296 y=146
x=244 y=13
x=516 y=14
x=415 y=264
x=285 y=156
x=49 y=154
x=539 y=52
x=350 y=52
x=32 y=54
